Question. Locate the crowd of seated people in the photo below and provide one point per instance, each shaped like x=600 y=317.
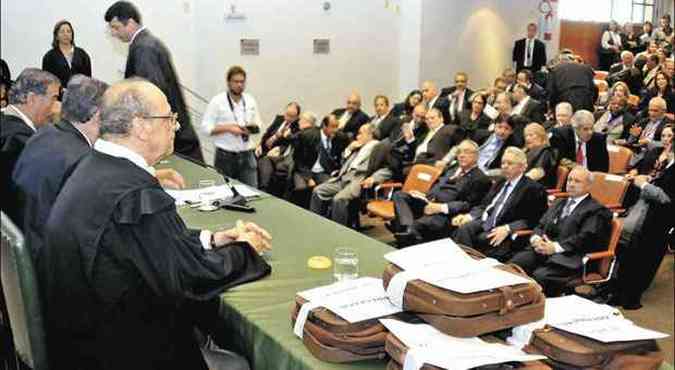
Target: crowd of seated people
x=498 y=150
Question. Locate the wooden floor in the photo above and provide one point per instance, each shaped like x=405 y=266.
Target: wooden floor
x=657 y=311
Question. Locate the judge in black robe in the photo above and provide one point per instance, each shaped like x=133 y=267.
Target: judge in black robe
x=13 y=137
x=149 y=58
x=123 y=280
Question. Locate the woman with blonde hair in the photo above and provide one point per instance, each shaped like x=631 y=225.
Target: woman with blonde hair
x=541 y=157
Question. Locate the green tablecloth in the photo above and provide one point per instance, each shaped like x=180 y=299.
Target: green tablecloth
x=258 y=313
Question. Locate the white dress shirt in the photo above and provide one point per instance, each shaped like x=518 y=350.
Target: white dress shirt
x=317 y=168
x=529 y=50
x=219 y=112
x=520 y=106
x=512 y=185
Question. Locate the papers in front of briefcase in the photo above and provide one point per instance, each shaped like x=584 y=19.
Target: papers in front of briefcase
x=428 y=345
x=353 y=300
x=444 y=264
x=192 y=196
x=584 y=317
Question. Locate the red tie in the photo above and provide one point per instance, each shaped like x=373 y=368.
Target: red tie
x=580 y=154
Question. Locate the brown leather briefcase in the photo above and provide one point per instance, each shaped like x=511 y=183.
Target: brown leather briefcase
x=397 y=351
x=570 y=351
x=473 y=314
x=330 y=338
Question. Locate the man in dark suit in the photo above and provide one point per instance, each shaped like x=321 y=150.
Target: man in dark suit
x=31 y=101
x=529 y=108
x=569 y=229
x=458 y=96
x=288 y=120
x=51 y=154
x=433 y=99
x=627 y=72
x=525 y=78
x=572 y=82
x=421 y=217
x=275 y=143
x=431 y=146
x=649 y=129
x=317 y=153
x=579 y=145
x=149 y=58
x=529 y=53
x=333 y=198
x=491 y=152
x=514 y=203
x=351 y=118
x=386 y=124
x=563 y=116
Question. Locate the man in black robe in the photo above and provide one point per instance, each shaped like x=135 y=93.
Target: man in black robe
x=123 y=279
x=149 y=58
x=31 y=100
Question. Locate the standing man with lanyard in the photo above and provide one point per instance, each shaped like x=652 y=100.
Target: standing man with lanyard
x=231 y=118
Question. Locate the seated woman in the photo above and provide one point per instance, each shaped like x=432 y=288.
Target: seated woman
x=542 y=159
x=475 y=122
x=616 y=121
x=643 y=240
x=620 y=89
x=655 y=158
x=662 y=88
x=405 y=108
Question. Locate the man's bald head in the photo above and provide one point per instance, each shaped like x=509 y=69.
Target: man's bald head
x=429 y=91
x=127 y=100
x=353 y=102
x=579 y=181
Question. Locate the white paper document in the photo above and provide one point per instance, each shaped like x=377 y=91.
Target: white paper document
x=421 y=256
x=428 y=345
x=583 y=317
x=354 y=300
x=194 y=195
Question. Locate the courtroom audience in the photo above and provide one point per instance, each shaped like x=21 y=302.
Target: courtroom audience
x=474 y=121
x=458 y=96
x=351 y=117
x=405 y=108
x=577 y=144
x=542 y=159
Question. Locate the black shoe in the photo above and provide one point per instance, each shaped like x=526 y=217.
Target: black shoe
x=406 y=239
x=633 y=305
x=392 y=227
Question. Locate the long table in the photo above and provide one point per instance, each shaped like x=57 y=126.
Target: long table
x=258 y=313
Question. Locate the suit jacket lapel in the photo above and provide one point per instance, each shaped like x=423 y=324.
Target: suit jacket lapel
x=514 y=193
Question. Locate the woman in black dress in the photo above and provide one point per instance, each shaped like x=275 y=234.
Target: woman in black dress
x=474 y=122
x=65 y=59
x=542 y=160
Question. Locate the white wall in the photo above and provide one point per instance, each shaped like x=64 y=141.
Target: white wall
x=474 y=36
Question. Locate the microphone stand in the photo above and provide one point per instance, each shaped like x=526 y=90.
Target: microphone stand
x=238 y=202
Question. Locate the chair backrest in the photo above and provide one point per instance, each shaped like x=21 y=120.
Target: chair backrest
x=605 y=264
x=619 y=158
x=609 y=189
x=421 y=178
x=601 y=75
x=20 y=288
x=561 y=178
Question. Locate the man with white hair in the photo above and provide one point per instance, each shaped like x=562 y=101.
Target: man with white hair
x=117 y=250
x=577 y=144
x=648 y=131
x=571 y=228
x=563 y=116
x=514 y=203
x=626 y=71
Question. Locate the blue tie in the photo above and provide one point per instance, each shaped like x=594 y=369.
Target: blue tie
x=489 y=224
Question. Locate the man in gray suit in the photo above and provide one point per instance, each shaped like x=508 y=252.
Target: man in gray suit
x=332 y=198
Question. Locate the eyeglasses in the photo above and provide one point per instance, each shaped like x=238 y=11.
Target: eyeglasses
x=173 y=120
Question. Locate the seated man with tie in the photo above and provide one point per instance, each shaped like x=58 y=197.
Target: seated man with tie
x=569 y=229
x=526 y=78
x=421 y=217
x=458 y=97
x=579 y=145
x=647 y=133
x=317 y=152
x=283 y=125
x=351 y=117
x=332 y=198
x=514 y=203
x=386 y=124
x=491 y=152
x=429 y=147
x=432 y=98
x=531 y=109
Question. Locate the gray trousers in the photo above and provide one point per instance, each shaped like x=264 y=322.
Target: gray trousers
x=332 y=198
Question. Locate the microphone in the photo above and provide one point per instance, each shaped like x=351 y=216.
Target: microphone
x=238 y=202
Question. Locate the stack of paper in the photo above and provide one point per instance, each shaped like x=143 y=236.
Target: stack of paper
x=214 y=192
x=428 y=345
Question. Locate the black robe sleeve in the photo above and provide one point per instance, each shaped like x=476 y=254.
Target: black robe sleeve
x=170 y=258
